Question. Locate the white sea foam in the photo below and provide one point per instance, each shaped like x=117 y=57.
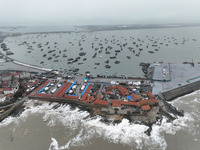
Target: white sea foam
x=179 y=99
x=129 y=133
x=85 y=131
x=125 y=133
x=54 y=144
x=28 y=111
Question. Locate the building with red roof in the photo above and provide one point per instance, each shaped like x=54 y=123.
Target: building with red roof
x=32 y=83
x=148 y=102
x=145 y=107
x=84 y=96
x=123 y=90
x=100 y=102
x=116 y=103
x=107 y=92
x=135 y=97
x=71 y=97
x=15 y=74
x=43 y=85
x=150 y=95
x=9 y=95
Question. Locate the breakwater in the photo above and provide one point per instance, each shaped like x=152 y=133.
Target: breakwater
x=180 y=91
x=31 y=66
x=14 y=107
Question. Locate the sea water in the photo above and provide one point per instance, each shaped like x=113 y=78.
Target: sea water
x=174 y=45
x=42 y=127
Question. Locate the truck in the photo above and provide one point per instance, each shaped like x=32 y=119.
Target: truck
x=53 y=91
x=59 y=85
x=70 y=91
x=46 y=88
x=82 y=87
x=74 y=87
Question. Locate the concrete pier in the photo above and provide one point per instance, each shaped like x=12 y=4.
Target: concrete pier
x=180 y=91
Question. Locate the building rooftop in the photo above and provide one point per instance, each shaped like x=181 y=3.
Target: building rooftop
x=145 y=107
x=95 y=95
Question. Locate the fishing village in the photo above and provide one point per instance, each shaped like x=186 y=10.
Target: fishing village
x=112 y=97
x=142 y=100
x=103 y=75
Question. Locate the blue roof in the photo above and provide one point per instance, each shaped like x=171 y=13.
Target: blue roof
x=129 y=97
x=70 y=87
x=37 y=74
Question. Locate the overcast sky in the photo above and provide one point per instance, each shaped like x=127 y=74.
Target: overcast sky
x=75 y=12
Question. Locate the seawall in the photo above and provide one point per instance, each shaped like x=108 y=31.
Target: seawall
x=11 y=110
x=180 y=91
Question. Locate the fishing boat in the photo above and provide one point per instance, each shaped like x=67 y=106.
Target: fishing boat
x=107 y=66
x=113 y=57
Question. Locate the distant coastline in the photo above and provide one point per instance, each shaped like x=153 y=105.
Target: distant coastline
x=82 y=28
x=133 y=27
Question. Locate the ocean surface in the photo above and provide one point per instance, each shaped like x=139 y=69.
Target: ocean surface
x=44 y=128
x=38 y=28
x=54 y=50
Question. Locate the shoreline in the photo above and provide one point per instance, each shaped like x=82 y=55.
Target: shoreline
x=8 y=59
x=128 y=116
x=164 y=109
x=76 y=64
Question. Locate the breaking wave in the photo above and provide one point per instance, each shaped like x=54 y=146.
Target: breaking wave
x=85 y=130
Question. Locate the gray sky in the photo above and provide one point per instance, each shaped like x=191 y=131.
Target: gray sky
x=75 y=12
